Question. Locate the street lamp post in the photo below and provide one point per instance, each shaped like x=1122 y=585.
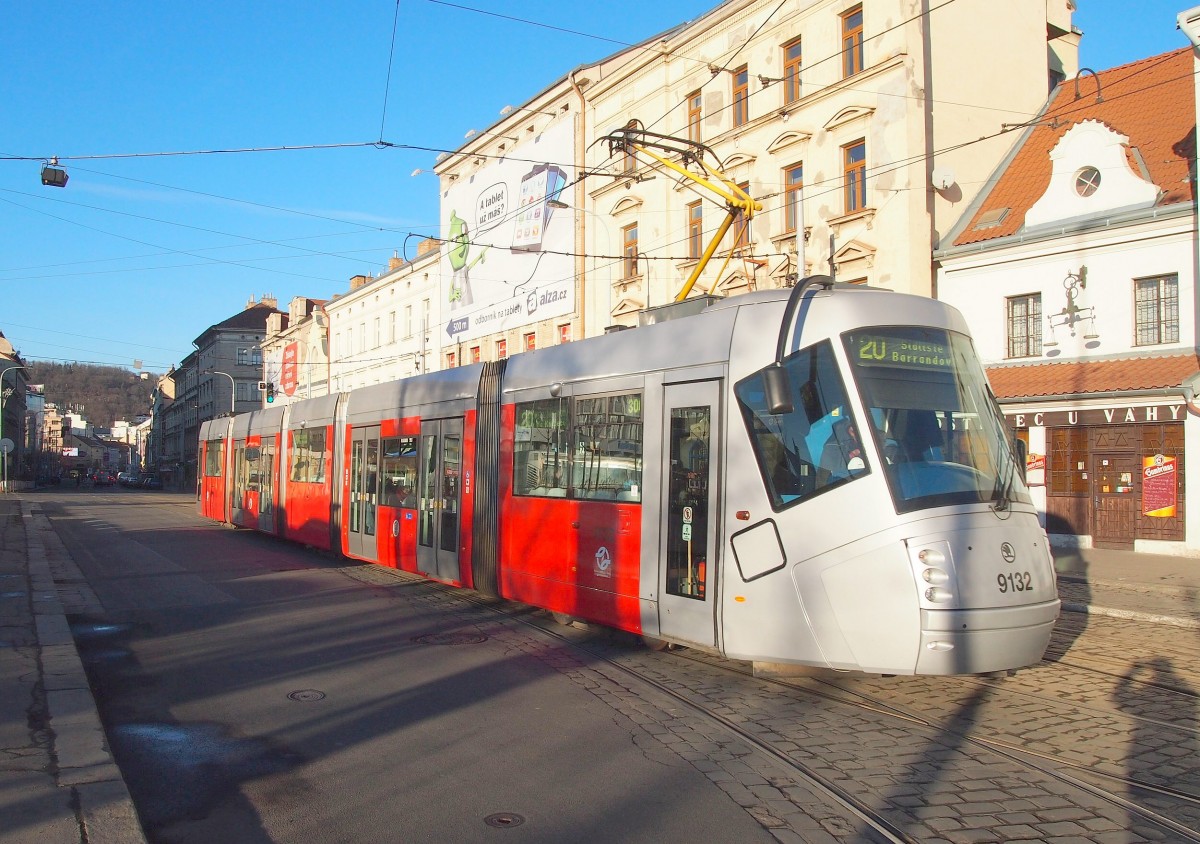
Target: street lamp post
x=609 y=240
x=3 y=396
x=232 y=387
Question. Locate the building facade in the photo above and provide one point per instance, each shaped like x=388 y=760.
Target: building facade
x=1076 y=271
x=863 y=127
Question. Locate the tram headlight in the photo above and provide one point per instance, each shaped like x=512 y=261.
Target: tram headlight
x=933 y=563
x=938 y=595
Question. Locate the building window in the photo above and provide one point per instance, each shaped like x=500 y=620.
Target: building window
x=1025 y=325
x=378 y=333
x=243 y=357
x=564 y=333
x=695 y=211
x=852 y=41
x=450 y=360
x=741 y=96
x=791 y=71
x=1156 y=309
x=530 y=341
x=501 y=349
x=854 y=168
x=391 y=327
x=694 y=102
x=793 y=181
x=474 y=354
x=1067 y=461
x=629 y=251
x=408 y=325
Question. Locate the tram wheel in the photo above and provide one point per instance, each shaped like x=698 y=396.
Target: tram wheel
x=653 y=644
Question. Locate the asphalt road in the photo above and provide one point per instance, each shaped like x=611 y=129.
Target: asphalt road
x=254 y=691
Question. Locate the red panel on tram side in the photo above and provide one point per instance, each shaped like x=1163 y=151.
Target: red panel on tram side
x=408 y=427
x=591 y=571
x=577 y=557
x=466 y=507
x=212 y=487
x=306 y=516
x=406 y=552
x=387 y=546
x=342 y=487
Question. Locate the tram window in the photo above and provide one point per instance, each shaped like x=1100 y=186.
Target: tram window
x=213 y=464
x=607 y=448
x=590 y=448
x=815 y=447
x=308 y=456
x=540 y=453
x=942 y=437
x=399 y=472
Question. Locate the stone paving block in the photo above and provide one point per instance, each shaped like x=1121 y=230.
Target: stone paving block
x=108 y=814
x=36 y=812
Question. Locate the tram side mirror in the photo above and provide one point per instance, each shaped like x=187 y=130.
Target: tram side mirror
x=777 y=390
x=1022 y=452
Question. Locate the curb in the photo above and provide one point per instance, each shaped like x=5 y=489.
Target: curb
x=1132 y=615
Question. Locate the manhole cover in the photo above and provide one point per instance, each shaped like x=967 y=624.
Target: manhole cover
x=450 y=639
x=504 y=819
x=307 y=695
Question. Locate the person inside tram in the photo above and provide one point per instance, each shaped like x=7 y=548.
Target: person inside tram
x=842 y=455
x=922 y=440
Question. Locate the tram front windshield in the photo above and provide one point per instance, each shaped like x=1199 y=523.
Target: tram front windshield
x=933 y=418
x=940 y=437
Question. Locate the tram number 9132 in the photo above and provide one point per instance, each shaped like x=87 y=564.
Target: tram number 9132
x=1021 y=581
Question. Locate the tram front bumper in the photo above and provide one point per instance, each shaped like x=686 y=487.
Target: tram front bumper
x=984 y=640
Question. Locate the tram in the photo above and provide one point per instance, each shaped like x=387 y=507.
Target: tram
x=818 y=476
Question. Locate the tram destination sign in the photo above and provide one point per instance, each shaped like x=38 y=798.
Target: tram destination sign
x=901 y=353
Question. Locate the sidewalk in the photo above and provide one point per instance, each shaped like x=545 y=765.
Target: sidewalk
x=1125 y=584
x=59 y=784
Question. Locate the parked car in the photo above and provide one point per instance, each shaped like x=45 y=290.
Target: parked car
x=128 y=478
x=150 y=480
x=103 y=477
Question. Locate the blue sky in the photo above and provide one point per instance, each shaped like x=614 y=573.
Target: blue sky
x=139 y=254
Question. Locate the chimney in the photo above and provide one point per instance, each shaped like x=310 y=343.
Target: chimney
x=357 y=281
x=427 y=245
x=394 y=262
x=269 y=300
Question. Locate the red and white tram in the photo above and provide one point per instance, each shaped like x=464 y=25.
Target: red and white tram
x=833 y=490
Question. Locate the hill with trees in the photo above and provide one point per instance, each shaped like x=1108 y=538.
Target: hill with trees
x=102 y=394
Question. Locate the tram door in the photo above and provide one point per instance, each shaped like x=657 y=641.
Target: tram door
x=687 y=580
x=364 y=492
x=439 y=501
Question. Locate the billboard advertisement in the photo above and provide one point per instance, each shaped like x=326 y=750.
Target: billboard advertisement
x=507 y=260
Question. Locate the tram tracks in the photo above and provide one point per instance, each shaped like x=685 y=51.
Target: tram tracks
x=778 y=721
x=1048 y=764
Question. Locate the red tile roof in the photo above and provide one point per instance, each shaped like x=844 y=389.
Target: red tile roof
x=1083 y=377
x=1151 y=101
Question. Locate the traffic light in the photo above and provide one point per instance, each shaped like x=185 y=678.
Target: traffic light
x=270 y=393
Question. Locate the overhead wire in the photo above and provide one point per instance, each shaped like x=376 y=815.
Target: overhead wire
x=873 y=172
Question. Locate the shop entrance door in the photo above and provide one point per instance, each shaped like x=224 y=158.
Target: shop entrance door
x=1114 y=497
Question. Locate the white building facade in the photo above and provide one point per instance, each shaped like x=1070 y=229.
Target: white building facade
x=1076 y=271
